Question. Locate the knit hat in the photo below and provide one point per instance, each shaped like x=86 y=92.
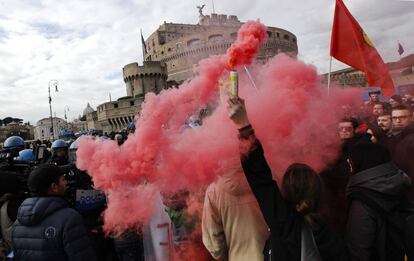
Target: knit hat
x=42 y=177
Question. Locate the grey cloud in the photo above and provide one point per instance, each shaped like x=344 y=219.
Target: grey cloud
x=85 y=44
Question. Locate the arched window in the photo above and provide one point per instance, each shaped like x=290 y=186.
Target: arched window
x=193 y=42
x=215 y=38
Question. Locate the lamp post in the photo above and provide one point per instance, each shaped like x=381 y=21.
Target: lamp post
x=54 y=83
x=65 y=110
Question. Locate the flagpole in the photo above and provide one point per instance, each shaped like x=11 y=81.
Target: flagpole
x=142 y=47
x=329 y=75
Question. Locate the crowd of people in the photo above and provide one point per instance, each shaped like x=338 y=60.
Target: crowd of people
x=358 y=208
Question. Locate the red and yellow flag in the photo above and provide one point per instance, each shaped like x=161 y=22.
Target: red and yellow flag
x=351 y=45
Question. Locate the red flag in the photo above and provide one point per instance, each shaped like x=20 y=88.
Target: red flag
x=351 y=45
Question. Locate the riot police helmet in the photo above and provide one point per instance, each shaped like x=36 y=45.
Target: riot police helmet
x=26 y=155
x=13 y=142
x=57 y=144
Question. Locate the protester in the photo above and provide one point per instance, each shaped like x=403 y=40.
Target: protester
x=119 y=139
x=402 y=141
x=378 y=109
x=385 y=123
x=373 y=98
x=128 y=246
x=408 y=99
x=376 y=186
x=296 y=233
x=335 y=177
x=45 y=228
x=381 y=132
x=233 y=227
x=395 y=100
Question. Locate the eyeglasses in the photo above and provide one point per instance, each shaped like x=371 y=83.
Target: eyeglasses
x=394 y=118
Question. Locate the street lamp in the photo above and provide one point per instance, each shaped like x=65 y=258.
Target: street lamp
x=54 y=83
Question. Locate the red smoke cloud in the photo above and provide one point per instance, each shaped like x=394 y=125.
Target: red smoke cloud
x=244 y=49
x=291 y=114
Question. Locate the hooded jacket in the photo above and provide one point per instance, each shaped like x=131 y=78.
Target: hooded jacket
x=402 y=149
x=333 y=205
x=46 y=229
x=232 y=225
x=385 y=184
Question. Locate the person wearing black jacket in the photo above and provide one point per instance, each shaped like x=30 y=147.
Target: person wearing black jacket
x=334 y=205
x=46 y=229
x=296 y=233
x=376 y=190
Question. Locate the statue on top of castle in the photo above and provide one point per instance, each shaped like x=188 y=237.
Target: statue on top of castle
x=200 y=9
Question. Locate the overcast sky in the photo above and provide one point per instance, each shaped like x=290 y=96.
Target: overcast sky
x=84 y=44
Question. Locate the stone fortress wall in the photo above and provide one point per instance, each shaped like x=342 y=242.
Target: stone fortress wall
x=181 y=46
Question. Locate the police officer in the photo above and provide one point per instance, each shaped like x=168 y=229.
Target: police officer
x=26 y=155
x=131 y=127
x=89 y=202
x=13 y=190
x=13 y=145
x=59 y=153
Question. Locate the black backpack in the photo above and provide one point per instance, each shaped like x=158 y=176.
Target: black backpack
x=399 y=222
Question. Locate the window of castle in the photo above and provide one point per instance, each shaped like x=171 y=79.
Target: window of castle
x=215 y=37
x=115 y=105
x=131 y=103
x=286 y=37
x=193 y=42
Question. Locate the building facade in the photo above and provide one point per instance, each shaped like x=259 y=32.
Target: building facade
x=171 y=53
x=79 y=126
x=43 y=129
x=150 y=77
x=182 y=46
x=400 y=71
x=25 y=131
x=139 y=80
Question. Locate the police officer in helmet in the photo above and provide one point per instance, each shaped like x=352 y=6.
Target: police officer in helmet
x=13 y=145
x=59 y=153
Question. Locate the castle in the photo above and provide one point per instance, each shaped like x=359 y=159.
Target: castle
x=170 y=54
x=182 y=46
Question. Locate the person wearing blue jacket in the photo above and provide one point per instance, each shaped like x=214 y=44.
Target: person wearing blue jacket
x=46 y=228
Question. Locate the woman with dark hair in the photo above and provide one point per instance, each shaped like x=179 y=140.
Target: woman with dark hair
x=296 y=231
